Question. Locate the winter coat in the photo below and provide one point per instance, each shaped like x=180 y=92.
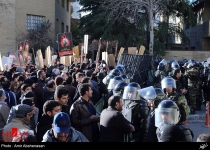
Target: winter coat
x=15 y=123
x=76 y=136
x=80 y=118
x=43 y=126
x=4 y=113
x=113 y=126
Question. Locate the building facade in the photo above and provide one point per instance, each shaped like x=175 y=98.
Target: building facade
x=24 y=15
x=199 y=34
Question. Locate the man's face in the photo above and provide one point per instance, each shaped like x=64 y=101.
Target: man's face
x=63 y=100
x=79 y=79
x=28 y=89
x=130 y=95
x=43 y=75
x=89 y=93
x=61 y=136
x=169 y=89
x=28 y=116
x=55 y=110
x=166 y=117
x=119 y=105
x=179 y=74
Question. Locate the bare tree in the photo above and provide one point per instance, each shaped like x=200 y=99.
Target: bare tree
x=134 y=10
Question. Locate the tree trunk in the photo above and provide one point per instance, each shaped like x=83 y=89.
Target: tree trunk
x=151 y=27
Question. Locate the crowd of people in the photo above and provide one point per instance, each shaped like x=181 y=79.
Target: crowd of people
x=58 y=104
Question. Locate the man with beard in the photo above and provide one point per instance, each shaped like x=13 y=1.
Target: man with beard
x=83 y=114
x=113 y=125
x=50 y=109
x=21 y=121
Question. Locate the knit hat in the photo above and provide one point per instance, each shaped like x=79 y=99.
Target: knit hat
x=2 y=93
x=22 y=109
x=61 y=123
x=172 y=133
x=27 y=101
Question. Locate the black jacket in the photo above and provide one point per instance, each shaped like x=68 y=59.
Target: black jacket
x=113 y=126
x=43 y=125
x=151 y=135
x=48 y=94
x=102 y=89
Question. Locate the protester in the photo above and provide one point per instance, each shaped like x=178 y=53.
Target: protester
x=62 y=131
x=4 y=112
x=21 y=121
x=50 y=109
x=113 y=125
x=83 y=114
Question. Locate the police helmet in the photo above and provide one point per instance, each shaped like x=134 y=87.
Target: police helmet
x=107 y=79
x=114 y=81
x=168 y=82
x=167 y=112
x=148 y=93
x=175 y=65
x=131 y=91
x=115 y=72
x=119 y=88
x=160 y=96
x=161 y=67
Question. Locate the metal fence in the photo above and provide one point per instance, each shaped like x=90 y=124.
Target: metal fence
x=141 y=68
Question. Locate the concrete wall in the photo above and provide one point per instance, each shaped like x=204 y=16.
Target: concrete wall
x=196 y=55
x=7 y=28
x=13 y=21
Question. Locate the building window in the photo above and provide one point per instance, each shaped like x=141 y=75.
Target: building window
x=63 y=3
x=62 y=27
x=67 y=5
x=67 y=28
x=33 y=21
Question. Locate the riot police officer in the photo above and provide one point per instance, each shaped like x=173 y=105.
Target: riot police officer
x=110 y=88
x=160 y=73
x=153 y=96
x=136 y=111
x=192 y=74
x=168 y=113
x=168 y=85
x=107 y=79
x=119 y=88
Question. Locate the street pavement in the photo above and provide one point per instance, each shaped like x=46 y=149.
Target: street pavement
x=196 y=123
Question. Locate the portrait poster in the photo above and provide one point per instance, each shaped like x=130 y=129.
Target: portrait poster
x=21 y=59
x=20 y=46
x=65 y=44
x=25 y=52
x=40 y=59
x=14 y=56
